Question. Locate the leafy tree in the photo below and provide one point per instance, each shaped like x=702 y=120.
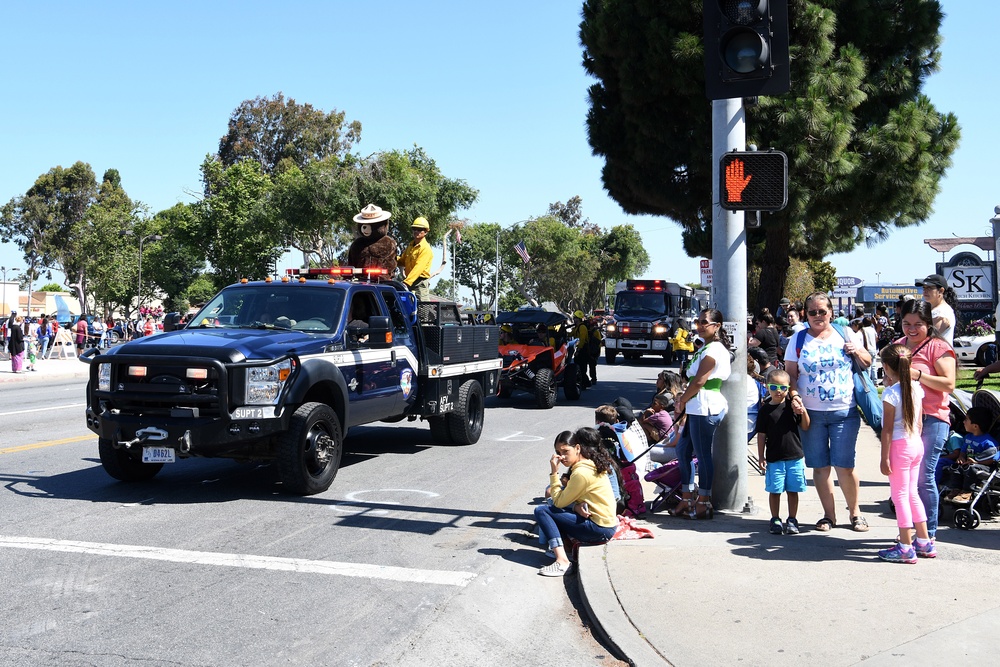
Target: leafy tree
x=234 y=230
x=317 y=204
x=475 y=263
x=199 y=292
x=44 y=223
x=278 y=133
x=176 y=261
x=51 y=287
x=445 y=287
x=866 y=149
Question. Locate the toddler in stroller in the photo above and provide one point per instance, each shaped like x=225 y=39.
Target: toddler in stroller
x=975 y=474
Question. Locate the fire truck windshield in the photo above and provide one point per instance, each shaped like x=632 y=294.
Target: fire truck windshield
x=634 y=304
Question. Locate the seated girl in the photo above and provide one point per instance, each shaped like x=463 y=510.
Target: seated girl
x=588 y=490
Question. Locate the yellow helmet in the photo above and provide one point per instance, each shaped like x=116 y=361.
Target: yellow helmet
x=578 y=314
x=420 y=223
x=507 y=328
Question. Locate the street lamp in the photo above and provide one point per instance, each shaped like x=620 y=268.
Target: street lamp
x=878 y=277
x=4 y=270
x=148 y=237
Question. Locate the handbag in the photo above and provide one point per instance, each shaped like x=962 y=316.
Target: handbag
x=865 y=391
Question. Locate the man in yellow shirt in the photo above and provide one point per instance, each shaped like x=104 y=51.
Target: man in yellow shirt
x=416 y=260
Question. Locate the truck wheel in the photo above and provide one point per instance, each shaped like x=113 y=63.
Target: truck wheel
x=609 y=356
x=440 y=430
x=545 y=388
x=466 y=422
x=124 y=465
x=309 y=452
x=571 y=382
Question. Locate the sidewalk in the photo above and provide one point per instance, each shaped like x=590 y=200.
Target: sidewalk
x=726 y=591
x=47 y=369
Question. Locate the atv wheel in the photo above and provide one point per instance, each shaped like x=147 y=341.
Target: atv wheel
x=309 y=452
x=506 y=389
x=466 y=422
x=609 y=356
x=545 y=388
x=125 y=465
x=572 y=386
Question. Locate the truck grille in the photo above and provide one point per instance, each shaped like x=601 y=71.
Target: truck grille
x=635 y=329
x=165 y=386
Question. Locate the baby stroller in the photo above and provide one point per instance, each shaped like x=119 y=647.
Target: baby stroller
x=986 y=486
x=668 y=485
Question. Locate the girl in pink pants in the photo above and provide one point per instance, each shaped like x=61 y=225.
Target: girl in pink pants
x=902 y=455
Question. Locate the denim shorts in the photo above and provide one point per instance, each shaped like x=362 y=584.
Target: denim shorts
x=782 y=476
x=832 y=438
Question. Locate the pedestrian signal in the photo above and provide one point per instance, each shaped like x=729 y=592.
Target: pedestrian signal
x=753 y=181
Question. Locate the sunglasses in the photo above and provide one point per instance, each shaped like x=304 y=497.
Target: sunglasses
x=706 y=322
x=777 y=387
x=817 y=313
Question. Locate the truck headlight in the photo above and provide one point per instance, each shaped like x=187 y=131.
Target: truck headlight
x=104 y=377
x=264 y=383
x=659 y=329
x=611 y=328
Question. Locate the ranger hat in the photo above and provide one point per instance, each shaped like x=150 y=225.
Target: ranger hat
x=371 y=214
x=420 y=223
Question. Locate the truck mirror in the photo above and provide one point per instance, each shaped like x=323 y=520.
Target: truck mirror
x=172 y=322
x=379 y=332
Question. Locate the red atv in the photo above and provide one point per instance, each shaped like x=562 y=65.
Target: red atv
x=538 y=363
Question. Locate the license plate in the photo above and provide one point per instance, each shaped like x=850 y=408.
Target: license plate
x=157 y=455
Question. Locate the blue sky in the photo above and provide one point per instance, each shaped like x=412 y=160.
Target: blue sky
x=494 y=92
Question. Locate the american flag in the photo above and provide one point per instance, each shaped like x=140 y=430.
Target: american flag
x=522 y=251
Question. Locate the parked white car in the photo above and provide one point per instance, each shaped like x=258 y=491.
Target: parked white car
x=972 y=349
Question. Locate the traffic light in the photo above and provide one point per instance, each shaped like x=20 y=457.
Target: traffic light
x=746 y=48
x=753 y=181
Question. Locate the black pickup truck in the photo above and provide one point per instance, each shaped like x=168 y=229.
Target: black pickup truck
x=281 y=369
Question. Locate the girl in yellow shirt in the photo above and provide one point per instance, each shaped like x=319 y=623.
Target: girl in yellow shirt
x=588 y=490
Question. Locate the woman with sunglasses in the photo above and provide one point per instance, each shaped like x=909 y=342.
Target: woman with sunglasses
x=933 y=365
x=705 y=407
x=819 y=361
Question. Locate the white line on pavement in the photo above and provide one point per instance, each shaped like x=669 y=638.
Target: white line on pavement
x=51 y=407
x=442 y=577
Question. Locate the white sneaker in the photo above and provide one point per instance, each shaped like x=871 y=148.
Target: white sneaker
x=556 y=569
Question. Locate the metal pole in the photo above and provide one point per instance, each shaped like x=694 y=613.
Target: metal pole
x=496 y=282
x=729 y=254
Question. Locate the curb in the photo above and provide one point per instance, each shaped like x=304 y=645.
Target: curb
x=606 y=614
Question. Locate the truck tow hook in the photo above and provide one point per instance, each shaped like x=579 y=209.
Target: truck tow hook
x=185 y=441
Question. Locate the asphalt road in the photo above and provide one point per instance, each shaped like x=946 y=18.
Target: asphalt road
x=418 y=554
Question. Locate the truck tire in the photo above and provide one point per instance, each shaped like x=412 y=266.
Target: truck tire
x=609 y=356
x=545 y=388
x=571 y=382
x=125 y=465
x=440 y=430
x=466 y=423
x=309 y=452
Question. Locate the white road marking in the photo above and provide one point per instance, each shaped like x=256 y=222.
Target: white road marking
x=442 y=577
x=517 y=436
x=52 y=407
x=353 y=495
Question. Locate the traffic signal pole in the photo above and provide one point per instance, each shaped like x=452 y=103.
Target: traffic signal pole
x=729 y=293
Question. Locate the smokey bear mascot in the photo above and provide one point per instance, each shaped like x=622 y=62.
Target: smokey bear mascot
x=374 y=247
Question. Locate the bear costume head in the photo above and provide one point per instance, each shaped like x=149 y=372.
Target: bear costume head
x=373 y=248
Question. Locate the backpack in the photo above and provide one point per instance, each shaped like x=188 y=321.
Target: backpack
x=594 y=339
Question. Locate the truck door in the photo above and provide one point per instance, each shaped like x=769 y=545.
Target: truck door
x=373 y=379
x=405 y=345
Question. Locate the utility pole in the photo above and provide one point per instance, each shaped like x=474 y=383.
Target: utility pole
x=729 y=293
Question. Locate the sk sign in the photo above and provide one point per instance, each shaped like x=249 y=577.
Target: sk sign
x=754 y=181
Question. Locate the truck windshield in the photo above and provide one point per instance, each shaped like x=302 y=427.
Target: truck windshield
x=292 y=307
x=634 y=304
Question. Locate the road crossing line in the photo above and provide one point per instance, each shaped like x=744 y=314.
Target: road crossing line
x=51 y=407
x=392 y=573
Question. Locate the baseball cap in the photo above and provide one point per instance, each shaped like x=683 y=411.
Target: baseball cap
x=933 y=280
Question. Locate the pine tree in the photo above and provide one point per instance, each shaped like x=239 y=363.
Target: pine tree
x=866 y=148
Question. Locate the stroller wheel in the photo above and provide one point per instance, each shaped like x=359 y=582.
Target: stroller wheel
x=892 y=507
x=966 y=519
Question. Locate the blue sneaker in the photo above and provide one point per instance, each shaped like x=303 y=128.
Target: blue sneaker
x=898 y=554
x=792 y=526
x=776 y=528
x=926 y=551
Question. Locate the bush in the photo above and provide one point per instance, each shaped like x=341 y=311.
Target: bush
x=978 y=328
